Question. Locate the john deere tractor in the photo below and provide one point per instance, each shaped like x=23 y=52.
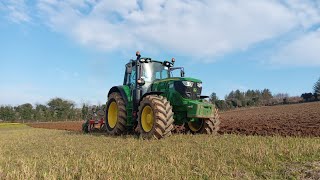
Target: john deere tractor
x=154 y=103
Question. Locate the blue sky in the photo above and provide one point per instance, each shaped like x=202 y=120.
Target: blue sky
x=77 y=49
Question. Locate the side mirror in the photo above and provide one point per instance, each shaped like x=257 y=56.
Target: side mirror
x=141 y=82
x=182 y=73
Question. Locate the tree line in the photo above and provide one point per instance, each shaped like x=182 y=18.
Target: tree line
x=315 y=96
x=56 y=109
x=250 y=98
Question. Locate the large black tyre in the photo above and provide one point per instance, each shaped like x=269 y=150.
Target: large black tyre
x=211 y=126
x=115 y=115
x=205 y=126
x=157 y=110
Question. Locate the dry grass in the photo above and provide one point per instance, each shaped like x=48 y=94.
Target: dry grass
x=28 y=153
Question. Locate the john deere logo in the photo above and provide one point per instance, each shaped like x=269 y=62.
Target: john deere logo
x=194 y=89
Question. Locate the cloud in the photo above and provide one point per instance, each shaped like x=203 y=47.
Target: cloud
x=201 y=29
x=307 y=12
x=303 y=51
x=303 y=48
x=17 y=10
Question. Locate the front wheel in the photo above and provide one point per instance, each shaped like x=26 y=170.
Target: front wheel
x=204 y=126
x=155 y=117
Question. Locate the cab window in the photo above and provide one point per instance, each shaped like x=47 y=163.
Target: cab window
x=132 y=79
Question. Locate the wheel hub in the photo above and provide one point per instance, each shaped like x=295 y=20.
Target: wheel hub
x=147 y=119
x=113 y=114
x=195 y=125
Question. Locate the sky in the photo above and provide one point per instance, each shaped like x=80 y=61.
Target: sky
x=77 y=49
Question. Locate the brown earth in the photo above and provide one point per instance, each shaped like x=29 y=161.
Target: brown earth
x=285 y=120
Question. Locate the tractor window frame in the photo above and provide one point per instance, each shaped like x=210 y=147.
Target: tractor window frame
x=162 y=74
x=132 y=77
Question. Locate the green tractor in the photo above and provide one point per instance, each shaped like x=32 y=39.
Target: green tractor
x=154 y=103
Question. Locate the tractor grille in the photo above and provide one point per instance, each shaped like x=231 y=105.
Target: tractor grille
x=193 y=92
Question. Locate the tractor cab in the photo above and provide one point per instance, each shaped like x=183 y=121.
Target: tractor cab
x=141 y=73
x=145 y=71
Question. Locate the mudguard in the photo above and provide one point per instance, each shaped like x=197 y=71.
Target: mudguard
x=151 y=93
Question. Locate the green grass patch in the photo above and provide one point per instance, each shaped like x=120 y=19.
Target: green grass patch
x=11 y=125
x=51 y=154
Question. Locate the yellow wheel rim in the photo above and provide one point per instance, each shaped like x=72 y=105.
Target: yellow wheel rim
x=195 y=125
x=147 y=118
x=113 y=114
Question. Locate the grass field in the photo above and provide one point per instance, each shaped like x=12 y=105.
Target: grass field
x=11 y=125
x=30 y=153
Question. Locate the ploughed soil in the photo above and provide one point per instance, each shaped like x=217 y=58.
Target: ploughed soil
x=285 y=120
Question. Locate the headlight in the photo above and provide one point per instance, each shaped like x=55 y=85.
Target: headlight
x=142 y=60
x=187 y=83
x=199 y=85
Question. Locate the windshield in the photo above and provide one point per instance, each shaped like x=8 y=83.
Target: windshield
x=154 y=71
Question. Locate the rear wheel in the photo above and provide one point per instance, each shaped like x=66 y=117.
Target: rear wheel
x=155 y=117
x=116 y=115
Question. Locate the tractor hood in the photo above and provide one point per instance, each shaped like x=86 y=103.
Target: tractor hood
x=188 y=88
x=178 y=79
